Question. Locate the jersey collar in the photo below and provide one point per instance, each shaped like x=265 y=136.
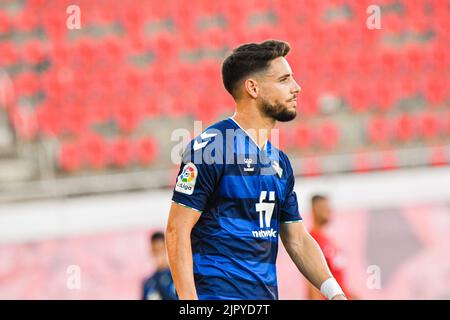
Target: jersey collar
x=254 y=142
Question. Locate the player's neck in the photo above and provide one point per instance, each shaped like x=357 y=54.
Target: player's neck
x=256 y=126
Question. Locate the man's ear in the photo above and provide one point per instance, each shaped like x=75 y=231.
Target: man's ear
x=251 y=87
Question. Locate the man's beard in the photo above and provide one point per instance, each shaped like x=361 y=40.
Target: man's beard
x=278 y=111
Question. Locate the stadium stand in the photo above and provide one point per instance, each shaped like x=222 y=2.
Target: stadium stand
x=94 y=95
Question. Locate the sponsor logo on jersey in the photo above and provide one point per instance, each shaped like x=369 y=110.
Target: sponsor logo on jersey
x=265 y=210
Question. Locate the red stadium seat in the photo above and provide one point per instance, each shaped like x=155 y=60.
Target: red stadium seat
x=149 y=107
x=436 y=90
x=122 y=152
x=439 y=23
x=378 y=130
x=134 y=81
x=98 y=111
x=416 y=16
x=111 y=49
x=49 y=120
x=84 y=51
x=34 y=52
x=9 y=55
x=303 y=136
x=146 y=150
x=70 y=156
x=393 y=23
x=214 y=38
x=132 y=18
x=308 y=102
x=95 y=151
x=358 y=97
x=337 y=63
x=35 y=4
x=53 y=83
x=389 y=62
x=27 y=83
x=429 y=125
x=74 y=119
x=184 y=18
x=207 y=8
x=28 y=20
x=415 y=59
x=405 y=127
x=52 y=22
x=341 y=32
x=179 y=106
x=383 y=95
x=206 y=111
x=440 y=59
x=5 y=23
x=406 y=87
x=103 y=13
x=127 y=116
x=165 y=47
x=329 y=135
x=362 y=63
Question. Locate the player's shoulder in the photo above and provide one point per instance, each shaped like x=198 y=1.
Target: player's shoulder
x=280 y=154
x=222 y=125
x=216 y=131
x=212 y=140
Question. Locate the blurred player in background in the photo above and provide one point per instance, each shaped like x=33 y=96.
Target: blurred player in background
x=159 y=286
x=321 y=213
x=222 y=233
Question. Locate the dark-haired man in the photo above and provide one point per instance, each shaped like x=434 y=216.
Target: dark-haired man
x=159 y=286
x=235 y=191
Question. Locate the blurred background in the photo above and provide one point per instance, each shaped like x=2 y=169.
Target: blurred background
x=86 y=117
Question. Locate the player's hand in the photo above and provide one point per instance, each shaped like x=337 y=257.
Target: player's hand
x=339 y=297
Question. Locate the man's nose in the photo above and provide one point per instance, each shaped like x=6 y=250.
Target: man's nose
x=297 y=87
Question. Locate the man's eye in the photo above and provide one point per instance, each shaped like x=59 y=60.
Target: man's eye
x=283 y=80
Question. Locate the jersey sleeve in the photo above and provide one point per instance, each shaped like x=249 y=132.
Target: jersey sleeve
x=197 y=178
x=289 y=208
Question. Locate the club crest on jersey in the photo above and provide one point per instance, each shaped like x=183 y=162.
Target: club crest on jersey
x=186 y=180
x=277 y=168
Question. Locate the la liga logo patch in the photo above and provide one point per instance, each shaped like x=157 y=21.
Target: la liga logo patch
x=186 y=180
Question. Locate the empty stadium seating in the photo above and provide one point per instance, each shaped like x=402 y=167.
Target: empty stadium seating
x=78 y=80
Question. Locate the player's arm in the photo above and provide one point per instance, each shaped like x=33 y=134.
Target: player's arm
x=313 y=293
x=178 y=241
x=309 y=259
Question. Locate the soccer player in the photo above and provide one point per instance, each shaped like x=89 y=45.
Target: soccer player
x=321 y=213
x=235 y=191
x=159 y=286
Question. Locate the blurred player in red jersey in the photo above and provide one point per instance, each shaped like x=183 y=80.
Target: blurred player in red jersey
x=321 y=213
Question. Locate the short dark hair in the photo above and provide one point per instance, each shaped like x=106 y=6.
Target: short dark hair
x=157 y=236
x=250 y=58
x=317 y=197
